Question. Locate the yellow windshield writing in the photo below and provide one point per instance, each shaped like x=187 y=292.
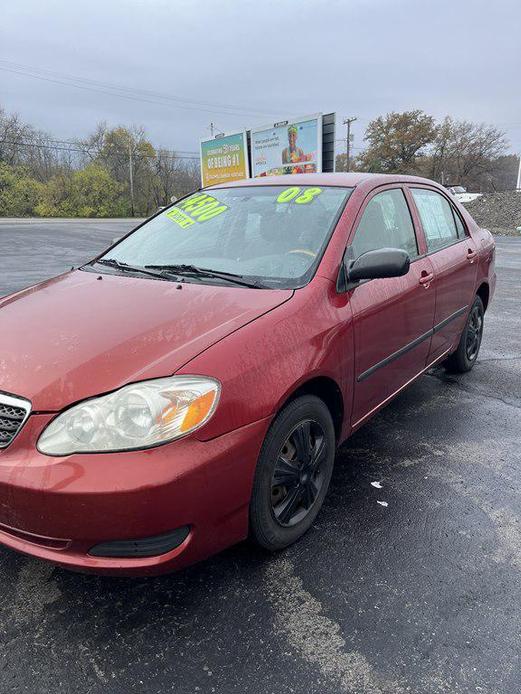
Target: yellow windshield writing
x=197 y=208
x=299 y=196
x=179 y=217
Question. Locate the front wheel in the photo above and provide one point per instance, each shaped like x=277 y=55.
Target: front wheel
x=466 y=354
x=293 y=473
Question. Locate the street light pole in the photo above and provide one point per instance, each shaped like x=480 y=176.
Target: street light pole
x=347 y=123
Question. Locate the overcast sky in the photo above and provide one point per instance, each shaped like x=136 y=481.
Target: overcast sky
x=269 y=59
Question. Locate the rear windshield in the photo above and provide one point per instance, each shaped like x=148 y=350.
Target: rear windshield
x=275 y=234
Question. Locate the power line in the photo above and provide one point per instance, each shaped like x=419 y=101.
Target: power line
x=78 y=143
x=169 y=153
x=353 y=147
x=132 y=93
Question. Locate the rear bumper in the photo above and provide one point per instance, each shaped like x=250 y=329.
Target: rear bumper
x=58 y=509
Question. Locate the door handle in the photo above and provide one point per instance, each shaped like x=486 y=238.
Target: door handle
x=426 y=278
x=471 y=254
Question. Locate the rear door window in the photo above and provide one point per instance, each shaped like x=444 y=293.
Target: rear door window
x=436 y=217
x=460 y=227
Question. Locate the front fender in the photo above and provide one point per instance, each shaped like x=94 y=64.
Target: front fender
x=261 y=364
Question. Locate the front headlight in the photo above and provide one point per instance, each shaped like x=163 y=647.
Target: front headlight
x=137 y=416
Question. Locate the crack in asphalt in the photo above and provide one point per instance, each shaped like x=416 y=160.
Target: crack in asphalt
x=473 y=391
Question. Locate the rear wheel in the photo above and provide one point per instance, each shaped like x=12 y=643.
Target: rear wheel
x=466 y=354
x=293 y=473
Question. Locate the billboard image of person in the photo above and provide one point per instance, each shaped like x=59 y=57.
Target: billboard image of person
x=287 y=148
x=292 y=154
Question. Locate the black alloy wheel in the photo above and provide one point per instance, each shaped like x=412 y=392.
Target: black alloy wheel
x=466 y=354
x=297 y=477
x=474 y=332
x=293 y=473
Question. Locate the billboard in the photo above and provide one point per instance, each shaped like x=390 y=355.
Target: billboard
x=224 y=159
x=293 y=146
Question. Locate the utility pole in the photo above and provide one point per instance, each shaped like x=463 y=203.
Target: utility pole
x=347 y=123
x=215 y=131
x=131 y=175
x=518 y=184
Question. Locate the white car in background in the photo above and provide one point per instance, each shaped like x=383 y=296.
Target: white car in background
x=461 y=195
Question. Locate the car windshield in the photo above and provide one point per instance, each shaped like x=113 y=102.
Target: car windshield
x=272 y=234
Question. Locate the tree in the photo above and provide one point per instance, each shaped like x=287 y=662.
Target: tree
x=19 y=193
x=504 y=174
x=396 y=141
x=465 y=153
x=341 y=162
x=13 y=132
x=188 y=177
x=49 y=177
x=166 y=173
x=120 y=150
x=23 y=145
x=90 y=192
x=94 y=193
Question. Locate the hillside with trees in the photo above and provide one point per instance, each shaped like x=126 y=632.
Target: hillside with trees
x=115 y=172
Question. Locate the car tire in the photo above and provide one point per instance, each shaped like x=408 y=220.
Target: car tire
x=465 y=356
x=293 y=473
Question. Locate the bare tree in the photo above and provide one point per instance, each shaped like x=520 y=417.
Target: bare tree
x=465 y=153
x=24 y=146
x=166 y=169
x=14 y=137
x=94 y=143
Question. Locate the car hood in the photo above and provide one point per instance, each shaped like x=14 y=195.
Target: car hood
x=82 y=334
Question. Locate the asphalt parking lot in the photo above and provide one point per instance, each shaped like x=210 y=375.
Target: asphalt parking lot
x=420 y=596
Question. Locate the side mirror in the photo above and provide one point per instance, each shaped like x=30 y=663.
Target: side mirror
x=384 y=262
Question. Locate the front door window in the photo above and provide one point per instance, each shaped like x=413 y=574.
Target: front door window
x=386 y=223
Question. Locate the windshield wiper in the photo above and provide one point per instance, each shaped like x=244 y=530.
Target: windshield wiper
x=183 y=269
x=125 y=267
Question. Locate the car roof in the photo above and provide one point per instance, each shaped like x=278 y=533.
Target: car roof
x=344 y=180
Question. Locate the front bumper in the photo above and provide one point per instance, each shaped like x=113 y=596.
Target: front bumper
x=58 y=509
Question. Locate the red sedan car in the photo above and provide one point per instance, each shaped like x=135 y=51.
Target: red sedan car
x=189 y=387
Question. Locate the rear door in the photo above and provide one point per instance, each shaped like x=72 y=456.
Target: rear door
x=393 y=317
x=453 y=254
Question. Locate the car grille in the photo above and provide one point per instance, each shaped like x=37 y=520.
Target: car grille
x=13 y=413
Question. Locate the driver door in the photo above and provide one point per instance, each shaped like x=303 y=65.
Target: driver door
x=392 y=317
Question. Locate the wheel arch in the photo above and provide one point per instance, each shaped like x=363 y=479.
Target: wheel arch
x=328 y=390
x=484 y=294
